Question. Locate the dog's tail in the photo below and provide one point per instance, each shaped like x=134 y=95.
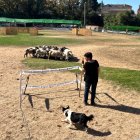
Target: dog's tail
x=90 y=117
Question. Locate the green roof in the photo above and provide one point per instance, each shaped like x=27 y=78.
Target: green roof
x=73 y=22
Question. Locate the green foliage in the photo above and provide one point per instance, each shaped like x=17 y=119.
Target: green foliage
x=121 y=19
x=124 y=77
x=51 y=9
x=124 y=28
x=66 y=9
x=92 y=12
x=9 y=7
x=36 y=63
x=109 y=20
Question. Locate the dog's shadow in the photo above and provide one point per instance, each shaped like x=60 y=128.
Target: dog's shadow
x=91 y=131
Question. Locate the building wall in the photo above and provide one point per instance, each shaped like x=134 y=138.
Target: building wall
x=115 y=8
x=138 y=12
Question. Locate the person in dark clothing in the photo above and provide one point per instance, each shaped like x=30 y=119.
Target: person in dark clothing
x=91 y=72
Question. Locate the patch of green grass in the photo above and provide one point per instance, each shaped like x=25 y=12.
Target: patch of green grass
x=127 y=78
x=28 y=40
x=36 y=63
x=124 y=77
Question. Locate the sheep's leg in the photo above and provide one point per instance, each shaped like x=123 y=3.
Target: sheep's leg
x=49 y=56
x=55 y=57
x=30 y=54
x=25 y=55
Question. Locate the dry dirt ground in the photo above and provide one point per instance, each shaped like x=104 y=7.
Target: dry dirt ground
x=117 y=116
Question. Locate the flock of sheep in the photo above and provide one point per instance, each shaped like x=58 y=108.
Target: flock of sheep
x=45 y=51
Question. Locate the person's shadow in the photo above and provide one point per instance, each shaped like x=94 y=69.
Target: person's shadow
x=119 y=107
x=91 y=131
x=122 y=108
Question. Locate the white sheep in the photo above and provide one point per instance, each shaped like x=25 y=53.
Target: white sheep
x=41 y=53
x=56 y=54
x=67 y=54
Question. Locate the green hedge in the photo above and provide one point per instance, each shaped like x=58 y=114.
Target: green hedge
x=124 y=28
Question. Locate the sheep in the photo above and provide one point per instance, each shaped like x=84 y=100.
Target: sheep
x=54 y=48
x=63 y=48
x=30 y=51
x=67 y=54
x=49 y=51
x=41 y=52
x=56 y=54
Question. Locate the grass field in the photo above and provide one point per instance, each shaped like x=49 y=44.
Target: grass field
x=124 y=77
x=27 y=40
x=48 y=37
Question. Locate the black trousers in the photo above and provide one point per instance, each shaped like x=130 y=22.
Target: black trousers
x=93 y=85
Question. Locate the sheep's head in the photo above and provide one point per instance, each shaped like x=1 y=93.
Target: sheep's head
x=70 y=53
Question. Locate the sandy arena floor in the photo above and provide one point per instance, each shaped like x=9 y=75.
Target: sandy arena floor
x=117 y=116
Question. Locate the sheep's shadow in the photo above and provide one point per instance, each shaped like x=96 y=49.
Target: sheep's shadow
x=91 y=131
x=40 y=34
x=74 y=59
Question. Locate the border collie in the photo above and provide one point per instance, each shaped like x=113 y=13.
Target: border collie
x=73 y=117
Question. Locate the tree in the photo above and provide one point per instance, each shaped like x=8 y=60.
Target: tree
x=33 y=8
x=127 y=18
x=93 y=16
x=52 y=9
x=9 y=8
x=138 y=20
x=22 y=8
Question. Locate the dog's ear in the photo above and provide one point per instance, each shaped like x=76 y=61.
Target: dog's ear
x=63 y=109
x=68 y=107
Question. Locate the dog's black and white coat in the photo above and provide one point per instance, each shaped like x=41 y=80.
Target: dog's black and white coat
x=74 y=117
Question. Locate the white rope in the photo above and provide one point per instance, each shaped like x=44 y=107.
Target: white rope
x=28 y=72
x=51 y=85
x=48 y=70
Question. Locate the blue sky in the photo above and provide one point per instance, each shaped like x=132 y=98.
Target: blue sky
x=134 y=3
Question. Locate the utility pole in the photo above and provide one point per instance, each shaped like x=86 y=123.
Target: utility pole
x=85 y=14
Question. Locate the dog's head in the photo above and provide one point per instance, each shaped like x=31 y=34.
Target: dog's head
x=65 y=108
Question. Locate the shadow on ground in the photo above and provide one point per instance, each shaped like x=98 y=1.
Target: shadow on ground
x=122 y=108
x=91 y=131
